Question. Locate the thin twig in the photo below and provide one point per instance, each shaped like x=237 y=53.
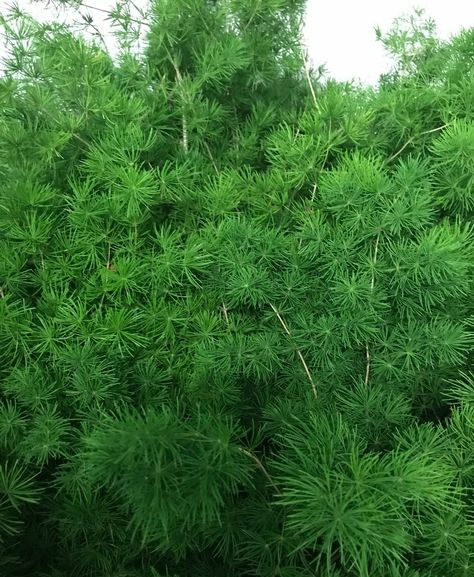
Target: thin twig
x=260 y=465
x=313 y=194
x=211 y=157
x=298 y=352
x=184 y=120
x=94 y=8
x=372 y=284
x=139 y=10
x=48 y=113
x=287 y=330
x=108 y=12
x=108 y=267
x=308 y=78
x=81 y=139
x=367 y=365
x=224 y=308
x=410 y=140
x=108 y=254
x=185 y=133
x=94 y=27
x=249 y=21
x=328 y=147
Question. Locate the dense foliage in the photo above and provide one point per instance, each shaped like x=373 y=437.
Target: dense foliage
x=235 y=302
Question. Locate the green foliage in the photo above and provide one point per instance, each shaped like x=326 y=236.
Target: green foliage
x=235 y=307
x=17 y=488
x=367 y=506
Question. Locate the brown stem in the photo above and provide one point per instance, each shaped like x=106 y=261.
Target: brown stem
x=224 y=308
x=211 y=157
x=372 y=284
x=410 y=140
x=298 y=352
x=310 y=84
x=260 y=465
x=184 y=120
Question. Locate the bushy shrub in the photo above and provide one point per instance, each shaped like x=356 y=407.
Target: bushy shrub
x=235 y=302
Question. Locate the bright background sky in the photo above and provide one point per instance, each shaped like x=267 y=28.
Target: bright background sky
x=338 y=33
x=341 y=32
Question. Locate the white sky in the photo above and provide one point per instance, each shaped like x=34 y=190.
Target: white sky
x=338 y=33
x=341 y=32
